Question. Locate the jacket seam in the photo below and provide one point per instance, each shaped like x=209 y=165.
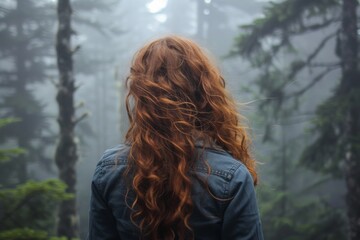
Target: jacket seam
x=227 y=189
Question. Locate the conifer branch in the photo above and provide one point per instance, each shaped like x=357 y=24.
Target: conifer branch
x=320 y=46
x=315 y=80
x=18 y=206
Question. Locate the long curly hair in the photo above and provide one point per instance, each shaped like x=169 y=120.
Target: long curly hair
x=176 y=97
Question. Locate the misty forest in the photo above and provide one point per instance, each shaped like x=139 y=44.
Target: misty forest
x=293 y=66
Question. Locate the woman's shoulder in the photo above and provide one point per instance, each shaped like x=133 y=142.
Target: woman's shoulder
x=112 y=157
x=218 y=162
x=110 y=166
x=115 y=155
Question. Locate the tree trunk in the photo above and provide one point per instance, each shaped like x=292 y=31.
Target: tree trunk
x=66 y=153
x=350 y=88
x=20 y=90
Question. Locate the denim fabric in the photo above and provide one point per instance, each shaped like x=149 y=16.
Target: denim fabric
x=226 y=209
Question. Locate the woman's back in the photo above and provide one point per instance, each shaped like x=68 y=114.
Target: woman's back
x=224 y=204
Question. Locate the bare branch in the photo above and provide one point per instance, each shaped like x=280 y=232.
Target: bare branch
x=78 y=86
x=324 y=64
x=77 y=48
x=315 y=26
x=83 y=116
x=80 y=105
x=300 y=66
x=320 y=46
x=315 y=80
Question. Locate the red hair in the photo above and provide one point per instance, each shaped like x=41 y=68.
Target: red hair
x=176 y=97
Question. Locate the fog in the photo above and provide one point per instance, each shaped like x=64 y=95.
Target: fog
x=107 y=35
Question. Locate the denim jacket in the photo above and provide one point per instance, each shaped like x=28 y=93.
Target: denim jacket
x=226 y=209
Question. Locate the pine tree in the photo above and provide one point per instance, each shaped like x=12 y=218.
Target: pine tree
x=335 y=142
x=24 y=48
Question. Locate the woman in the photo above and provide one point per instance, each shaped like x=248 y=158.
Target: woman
x=186 y=171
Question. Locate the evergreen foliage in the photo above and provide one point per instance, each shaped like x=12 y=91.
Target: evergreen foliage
x=286 y=76
x=32 y=199
x=305 y=218
x=27 y=210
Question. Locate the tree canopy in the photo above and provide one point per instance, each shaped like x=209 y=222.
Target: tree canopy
x=287 y=76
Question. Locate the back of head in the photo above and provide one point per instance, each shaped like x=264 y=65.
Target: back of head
x=176 y=97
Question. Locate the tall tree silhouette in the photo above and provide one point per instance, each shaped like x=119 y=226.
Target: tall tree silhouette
x=335 y=146
x=25 y=42
x=66 y=151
